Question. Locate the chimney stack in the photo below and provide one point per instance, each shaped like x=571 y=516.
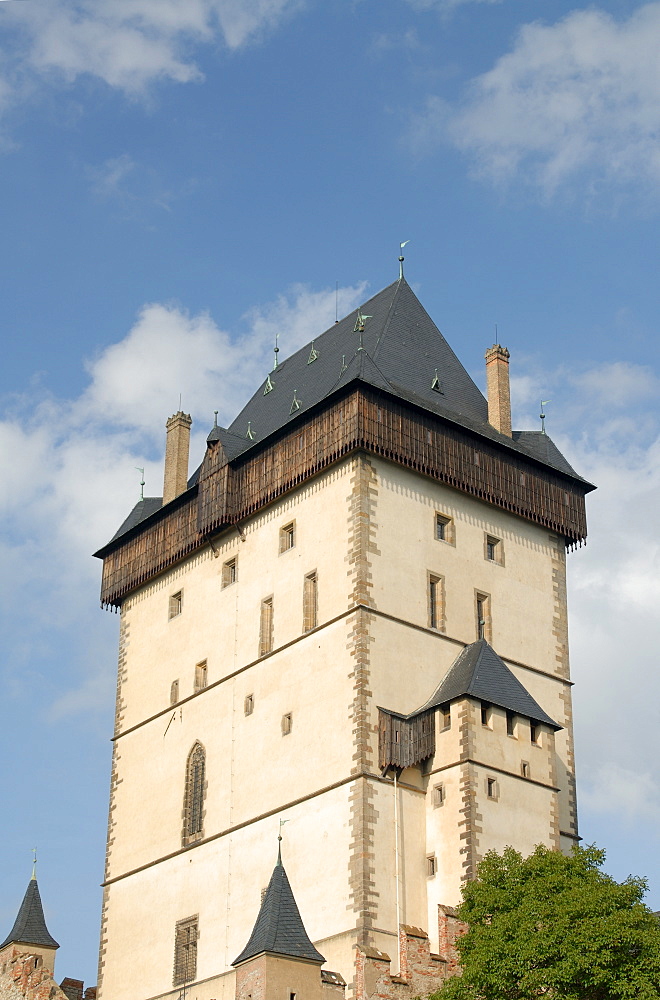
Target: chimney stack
x=499 y=395
x=177 y=447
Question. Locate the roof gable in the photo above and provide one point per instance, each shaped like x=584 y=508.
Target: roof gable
x=30 y=924
x=279 y=928
x=480 y=673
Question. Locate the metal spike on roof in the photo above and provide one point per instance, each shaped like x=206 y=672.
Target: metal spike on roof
x=436 y=384
x=313 y=354
x=249 y=432
x=344 y=366
x=268 y=386
x=276 y=351
x=296 y=403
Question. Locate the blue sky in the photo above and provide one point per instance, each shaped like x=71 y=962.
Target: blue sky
x=181 y=180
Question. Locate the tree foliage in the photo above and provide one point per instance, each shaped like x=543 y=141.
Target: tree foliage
x=556 y=927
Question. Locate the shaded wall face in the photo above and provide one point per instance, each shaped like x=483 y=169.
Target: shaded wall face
x=275 y=977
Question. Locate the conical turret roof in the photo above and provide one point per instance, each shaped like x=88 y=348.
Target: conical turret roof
x=279 y=928
x=30 y=924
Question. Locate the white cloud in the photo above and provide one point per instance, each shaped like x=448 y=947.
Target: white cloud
x=129 y=44
x=576 y=99
x=68 y=471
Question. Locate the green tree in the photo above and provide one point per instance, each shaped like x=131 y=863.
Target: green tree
x=556 y=927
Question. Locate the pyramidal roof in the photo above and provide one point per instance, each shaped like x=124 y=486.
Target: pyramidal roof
x=30 y=924
x=279 y=928
x=480 y=673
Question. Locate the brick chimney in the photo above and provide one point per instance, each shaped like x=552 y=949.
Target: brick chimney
x=497 y=382
x=177 y=447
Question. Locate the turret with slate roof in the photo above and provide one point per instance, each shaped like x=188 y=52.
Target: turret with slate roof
x=29 y=933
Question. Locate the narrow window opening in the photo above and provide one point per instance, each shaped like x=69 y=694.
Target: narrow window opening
x=534 y=733
x=438 y=796
x=229 y=572
x=174 y=692
x=266 y=627
x=287 y=724
x=175 y=604
x=493 y=549
x=510 y=723
x=431 y=865
x=287 y=537
x=445 y=713
x=201 y=675
x=185 y=951
x=436 y=602
x=524 y=768
x=491 y=788
x=193 y=811
x=483 y=617
x=248 y=704
x=310 y=602
x=444 y=528
x=486 y=714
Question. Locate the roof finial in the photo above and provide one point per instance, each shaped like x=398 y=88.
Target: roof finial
x=279 y=841
x=401 y=257
x=276 y=351
x=142 y=484
x=34 y=863
x=336 y=301
x=215 y=418
x=542 y=415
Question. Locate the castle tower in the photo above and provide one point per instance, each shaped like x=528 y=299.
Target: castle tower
x=353 y=619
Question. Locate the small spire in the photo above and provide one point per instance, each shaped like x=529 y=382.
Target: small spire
x=276 y=351
x=313 y=354
x=34 y=864
x=436 y=384
x=296 y=403
x=401 y=257
x=215 y=418
x=542 y=415
x=344 y=366
x=249 y=432
x=269 y=386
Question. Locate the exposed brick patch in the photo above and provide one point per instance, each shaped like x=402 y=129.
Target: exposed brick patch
x=25 y=977
x=115 y=780
x=469 y=825
x=421 y=971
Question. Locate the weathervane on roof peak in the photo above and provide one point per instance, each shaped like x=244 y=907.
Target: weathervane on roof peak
x=276 y=351
x=401 y=257
x=542 y=415
x=142 y=483
x=34 y=863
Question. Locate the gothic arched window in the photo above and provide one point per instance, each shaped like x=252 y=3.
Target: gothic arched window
x=193 y=806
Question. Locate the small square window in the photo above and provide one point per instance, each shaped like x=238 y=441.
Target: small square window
x=174 y=692
x=486 y=714
x=201 y=676
x=524 y=768
x=287 y=724
x=175 y=604
x=444 y=529
x=445 y=715
x=431 y=865
x=287 y=537
x=510 y=723
x=248 y=704
x=438 y=796
x=491 y=788
x=494 y=549
x=230 y=572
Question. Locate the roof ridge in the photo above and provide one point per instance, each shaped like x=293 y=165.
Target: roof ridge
x=390 y=314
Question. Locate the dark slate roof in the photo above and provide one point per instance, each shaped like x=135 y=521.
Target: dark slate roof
x=30 y=924
x=400 y=352
x=279 y=928
x=480 y=673
x=143 y=509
